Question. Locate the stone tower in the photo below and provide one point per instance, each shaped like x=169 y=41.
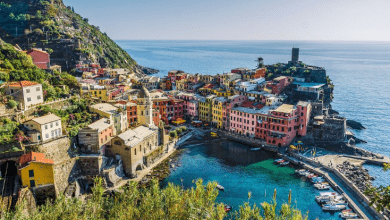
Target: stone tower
x=295 y=55
x=144 y=108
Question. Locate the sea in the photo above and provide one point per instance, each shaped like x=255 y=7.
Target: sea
x=360 y=72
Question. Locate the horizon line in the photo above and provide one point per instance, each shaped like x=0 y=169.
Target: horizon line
x=372 y=41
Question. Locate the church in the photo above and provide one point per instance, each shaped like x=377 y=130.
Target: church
x=135 y=146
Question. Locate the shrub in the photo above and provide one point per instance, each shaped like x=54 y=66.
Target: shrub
x=183 y=128
x=173 y=134
x=12 y=103
x=179 y=131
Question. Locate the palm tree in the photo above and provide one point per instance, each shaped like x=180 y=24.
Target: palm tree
x=260 y=62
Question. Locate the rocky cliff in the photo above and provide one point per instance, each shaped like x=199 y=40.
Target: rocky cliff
x=50 y=25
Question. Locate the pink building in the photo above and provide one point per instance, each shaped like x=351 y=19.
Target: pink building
x=233 y=101
x=243 y=120
x=278 y=84
x=192 y=108
x=279 y=126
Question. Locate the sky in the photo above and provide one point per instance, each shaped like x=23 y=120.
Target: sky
x=343 y=20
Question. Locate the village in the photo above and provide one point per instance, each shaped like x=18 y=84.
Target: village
x=127 y=122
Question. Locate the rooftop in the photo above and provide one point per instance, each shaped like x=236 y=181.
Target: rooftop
x=46 y=119
x=100 y=125
x=311 y=85
x=105 y=107
x=23 y=84
x=303 y=104
x=36 y=157
x=248 y=110
x=285 y=108
x=137 y=135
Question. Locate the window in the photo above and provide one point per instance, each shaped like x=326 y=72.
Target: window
x=27 y=90
x=31 y=173
x=135 y=151
x=38 y=89
x=57 y=123
x=47 y=135
x=32 y=183
x=38 y=97
x=28 y=99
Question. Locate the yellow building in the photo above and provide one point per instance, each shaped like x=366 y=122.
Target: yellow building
x=217 y=111
x=36 y=170
x=223 y=93
x=205 y=108
x=96 y=91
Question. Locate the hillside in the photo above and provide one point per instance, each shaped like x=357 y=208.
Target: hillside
x=50 y=25
x=16 y=65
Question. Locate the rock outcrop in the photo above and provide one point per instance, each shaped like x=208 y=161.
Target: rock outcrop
x=355 y=125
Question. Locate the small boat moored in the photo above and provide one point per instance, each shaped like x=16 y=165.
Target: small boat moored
x=227 y=208
x=220 y=187
x=322 y=186
x=256 y=149
x=279 y=160
x=348 y=214
x=333 y=207
x=284 y=163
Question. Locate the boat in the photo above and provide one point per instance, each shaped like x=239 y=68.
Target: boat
x=338 y=201
x=317 y=179
x=333 y=207
x=284 y=163
x=299 y=171
x=256 y=149
x=308 y=174
x=327 y=197
x=227 y=208
x=322 y=183
x=322 y=186
x=348 y=214
x=220 y=187
x=312 y=176
x=279 y=160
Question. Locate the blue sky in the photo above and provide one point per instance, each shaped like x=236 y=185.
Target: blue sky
x=347 y=20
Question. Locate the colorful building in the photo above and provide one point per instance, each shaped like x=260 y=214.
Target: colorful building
x=278 y=84
x=94 y=137
x=26 y=93
x=205 y=108
x=44 y=128
x=35 y=170
x=279 y=126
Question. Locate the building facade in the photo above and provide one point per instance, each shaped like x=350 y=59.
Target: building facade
x=26 y=93
x=44 y=128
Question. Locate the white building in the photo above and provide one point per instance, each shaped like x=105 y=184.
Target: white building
x=26 y=93
x=44 y=128
x=251 y=85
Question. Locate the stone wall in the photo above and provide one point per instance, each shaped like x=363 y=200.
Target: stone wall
x=90 y=165
x=57 y=150
x=64 y=173
x=26 y=197
x=332 y=130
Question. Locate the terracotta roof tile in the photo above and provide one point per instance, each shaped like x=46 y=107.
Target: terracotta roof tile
x=36 y=157
x=23 y=84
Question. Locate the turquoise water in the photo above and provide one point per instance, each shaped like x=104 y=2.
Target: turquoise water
x=241 y=171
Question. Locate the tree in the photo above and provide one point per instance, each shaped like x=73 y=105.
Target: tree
x=173 y=134
x=260 y=62
x=380 y=196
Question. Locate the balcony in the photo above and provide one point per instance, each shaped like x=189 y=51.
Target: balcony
x=276 y=134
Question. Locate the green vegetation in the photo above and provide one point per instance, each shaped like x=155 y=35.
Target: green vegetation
x=380 y=196
x=16 y=65
x=173 y=134
x=172 y=202
x=8 y=131
x=74 y=117
x=12 y=103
